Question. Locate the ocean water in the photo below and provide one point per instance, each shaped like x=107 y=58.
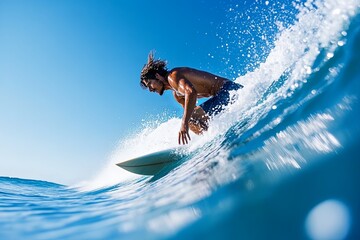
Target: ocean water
x=282 y=162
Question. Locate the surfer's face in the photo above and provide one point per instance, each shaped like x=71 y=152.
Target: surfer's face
x=155 y=85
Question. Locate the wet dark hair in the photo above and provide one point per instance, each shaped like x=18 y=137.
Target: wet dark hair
x=151 y=68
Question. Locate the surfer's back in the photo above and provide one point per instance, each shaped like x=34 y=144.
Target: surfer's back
x=206 y=84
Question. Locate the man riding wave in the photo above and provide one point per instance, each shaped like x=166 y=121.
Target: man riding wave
x=188 y=85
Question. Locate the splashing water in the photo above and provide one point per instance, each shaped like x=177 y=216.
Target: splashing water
x=268 y=166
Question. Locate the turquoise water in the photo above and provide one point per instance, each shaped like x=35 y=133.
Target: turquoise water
x=281 y=163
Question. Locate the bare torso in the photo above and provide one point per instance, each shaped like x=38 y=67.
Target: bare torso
x=189 y=84
x=205 y=84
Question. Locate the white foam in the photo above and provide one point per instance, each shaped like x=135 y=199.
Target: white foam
x=320 y=24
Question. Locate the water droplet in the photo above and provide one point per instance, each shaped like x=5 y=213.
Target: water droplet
x=308 y=69
x=328 y=220
x=330 y=55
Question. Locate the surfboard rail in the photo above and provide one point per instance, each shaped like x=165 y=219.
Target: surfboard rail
x=152 y=163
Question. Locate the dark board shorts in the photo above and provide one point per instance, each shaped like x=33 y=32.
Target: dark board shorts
x=216 y=104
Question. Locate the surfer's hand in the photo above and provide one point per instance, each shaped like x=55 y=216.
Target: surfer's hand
x=198 y=126
x=199 y=121
x=184 y=136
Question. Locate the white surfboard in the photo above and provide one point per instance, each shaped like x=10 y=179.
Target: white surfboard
x=152 y=163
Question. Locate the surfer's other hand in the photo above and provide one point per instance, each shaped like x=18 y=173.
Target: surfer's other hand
x=198 y=126
x=184 y=136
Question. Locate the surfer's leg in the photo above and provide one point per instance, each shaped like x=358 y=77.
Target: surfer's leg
x=196 y=128
x=199 y=121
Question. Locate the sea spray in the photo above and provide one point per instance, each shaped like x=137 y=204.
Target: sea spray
x=319 y=27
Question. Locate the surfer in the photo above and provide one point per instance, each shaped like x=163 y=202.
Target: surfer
x=188 y=85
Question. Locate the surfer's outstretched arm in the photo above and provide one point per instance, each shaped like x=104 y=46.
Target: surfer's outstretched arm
x=184 y=88
x=198 y=122
x=189 y=105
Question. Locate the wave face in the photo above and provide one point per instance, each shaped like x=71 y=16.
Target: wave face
x=280 y=163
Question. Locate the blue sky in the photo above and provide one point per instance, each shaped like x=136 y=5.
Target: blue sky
x=69 y=75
